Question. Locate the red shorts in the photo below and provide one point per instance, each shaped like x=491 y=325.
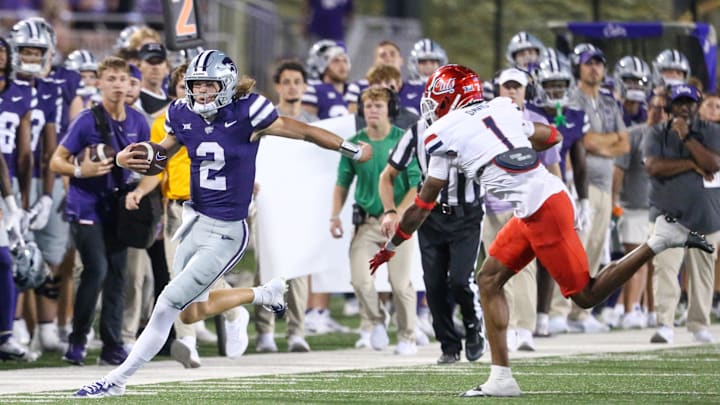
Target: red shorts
x=550 y=235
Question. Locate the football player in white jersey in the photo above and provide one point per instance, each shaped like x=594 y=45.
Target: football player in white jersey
x=490 y=142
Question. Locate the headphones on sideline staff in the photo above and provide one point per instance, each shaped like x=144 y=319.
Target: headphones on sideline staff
x=393 y=104
x=530 y=91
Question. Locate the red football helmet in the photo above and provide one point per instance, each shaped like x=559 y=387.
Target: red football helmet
x=449 y=88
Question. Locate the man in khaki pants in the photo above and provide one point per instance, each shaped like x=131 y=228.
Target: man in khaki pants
x=682 y=159
x=378 y=105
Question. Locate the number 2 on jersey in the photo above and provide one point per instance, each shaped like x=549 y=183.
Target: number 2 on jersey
x=490 y=123
x=217 y=163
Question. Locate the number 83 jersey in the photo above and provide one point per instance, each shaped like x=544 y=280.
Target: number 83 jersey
x=472 y=137
x=222 y=158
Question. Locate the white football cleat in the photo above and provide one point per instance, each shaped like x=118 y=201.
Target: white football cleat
x=236 y=336
x=271 y=295
x=669 y=233
x=506 y=387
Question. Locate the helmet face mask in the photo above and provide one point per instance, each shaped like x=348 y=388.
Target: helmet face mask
x=671 y=60
x=555 y=78
x=215 y=66
x=523 y=41
x=451 y=87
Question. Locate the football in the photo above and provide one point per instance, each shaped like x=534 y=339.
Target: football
x=155 y=155
x=97 y=152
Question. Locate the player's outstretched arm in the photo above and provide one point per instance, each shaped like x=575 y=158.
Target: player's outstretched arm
x=411 y=220
x=294 y=129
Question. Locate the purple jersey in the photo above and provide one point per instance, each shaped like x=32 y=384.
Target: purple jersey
x=222 y=158
x=88 y=198
x=639 y=118
x=354 y=89
x=326 y=18
x=49 y=104
x=16 y=100
x=410 y=94
x=576 y=125
x=69 y=81
x=326 y=99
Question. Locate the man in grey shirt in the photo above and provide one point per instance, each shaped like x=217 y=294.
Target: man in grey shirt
x=606 y=140
x=631 y=189
x=682 y=157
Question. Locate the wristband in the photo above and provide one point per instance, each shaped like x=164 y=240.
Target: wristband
x=390 y=211
x=118 y=163
x=77 y=172
x=400 y=234
x=11 y=204
x=350 y=150
x=424 y=205
x=553 y=135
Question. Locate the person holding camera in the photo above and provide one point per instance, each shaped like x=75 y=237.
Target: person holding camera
x=367 y=217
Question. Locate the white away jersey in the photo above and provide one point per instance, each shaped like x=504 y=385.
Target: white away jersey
x=470 y=138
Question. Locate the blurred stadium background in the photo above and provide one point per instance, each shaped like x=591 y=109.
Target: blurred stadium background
x=256 y=33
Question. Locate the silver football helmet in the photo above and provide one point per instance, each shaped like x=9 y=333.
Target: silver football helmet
x=81 y=60
x=425 y=49
x=185 y=56
x=320 y=55
x=632 y=78
x=29 y=270
x=521 y=41
x=32 y=33
x=123 y=39
x=670 y=59
x=555 y=79
x=211 y=65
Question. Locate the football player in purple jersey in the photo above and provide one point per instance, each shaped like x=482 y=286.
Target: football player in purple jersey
x=220 y=123
x=32 y=44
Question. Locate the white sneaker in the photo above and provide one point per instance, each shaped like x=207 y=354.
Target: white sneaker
x=364 y=341
x=682 y=319
x=351 y=307
x=265 y=343
x=589 y=325
x=424 y=323
x=512 y=340
x=12 y=350
x=183 y=351
x=330 y=325
x=312 y=320
x=378 y=337
x=236 y=336
x=271 y=295
x=703 y=336
x=21 y=332
x=525 y=340
x=203 y=334
x=558 y=324
x=633 y=320
x=669 y=233
x=611 y=317
x=542 y=325
x=298 y=344
x=506 y=387
x=405 y=348
x=652 y=320
x=663 y=334
x=421 y=339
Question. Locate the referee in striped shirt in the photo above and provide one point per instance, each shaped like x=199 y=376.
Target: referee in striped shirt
x=449 y=244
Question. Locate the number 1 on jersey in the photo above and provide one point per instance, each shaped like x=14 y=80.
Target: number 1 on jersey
x=490 y=123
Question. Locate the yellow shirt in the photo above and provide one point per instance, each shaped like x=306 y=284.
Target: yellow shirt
x=177 y=183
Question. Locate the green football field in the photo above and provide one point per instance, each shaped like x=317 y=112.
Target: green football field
x=681 y=375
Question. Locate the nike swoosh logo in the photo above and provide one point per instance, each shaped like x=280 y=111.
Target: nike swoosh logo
x=411 y=96
x=15 y=99
x=46 y=96
x=225 y=237
x=158 y=156
x=569 y=125
x=229 y=124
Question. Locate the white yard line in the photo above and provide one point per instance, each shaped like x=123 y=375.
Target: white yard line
x=72 y=377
